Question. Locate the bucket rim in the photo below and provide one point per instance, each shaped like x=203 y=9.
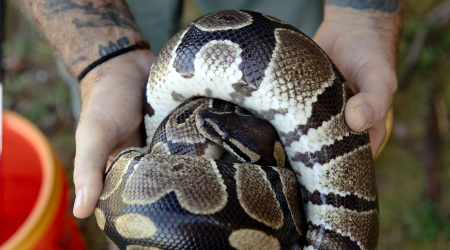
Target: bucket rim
x=42 y=212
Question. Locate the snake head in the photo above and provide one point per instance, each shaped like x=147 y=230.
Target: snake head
x=247 y=137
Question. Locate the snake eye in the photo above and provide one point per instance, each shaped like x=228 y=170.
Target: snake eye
x=224 y=137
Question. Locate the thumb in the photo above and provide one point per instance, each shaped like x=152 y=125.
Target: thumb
x=94 y=142
x=363 y=110
x=372 y=103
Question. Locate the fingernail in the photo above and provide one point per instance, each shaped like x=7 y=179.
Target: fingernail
x=79 y=199
x=363 y=115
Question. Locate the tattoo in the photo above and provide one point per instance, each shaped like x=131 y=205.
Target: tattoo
x=79 y=59
x=383 y=5
x=105 y=50
x=82 y=31
x=106 y=15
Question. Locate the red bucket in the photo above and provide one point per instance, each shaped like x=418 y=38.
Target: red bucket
x=33 y=192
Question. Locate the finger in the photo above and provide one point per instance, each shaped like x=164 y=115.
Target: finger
x=377 y=135
x=377 y=83
x=94 y=142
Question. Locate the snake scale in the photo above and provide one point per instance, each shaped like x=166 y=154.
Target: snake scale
x=177 y=194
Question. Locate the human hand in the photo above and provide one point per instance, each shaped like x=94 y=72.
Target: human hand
x=365 y=53
x=112 y=96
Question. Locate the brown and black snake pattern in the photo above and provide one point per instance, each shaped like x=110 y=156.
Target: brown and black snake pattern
x=277 y=73
x=168 y=197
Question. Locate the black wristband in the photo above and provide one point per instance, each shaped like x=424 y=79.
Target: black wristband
x=139 y=45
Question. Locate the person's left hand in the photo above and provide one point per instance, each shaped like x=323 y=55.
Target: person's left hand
x=366 y=58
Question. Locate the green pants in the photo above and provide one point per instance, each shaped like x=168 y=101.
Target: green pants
x=159 y=20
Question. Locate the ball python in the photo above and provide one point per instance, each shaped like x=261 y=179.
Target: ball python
x=277 y=73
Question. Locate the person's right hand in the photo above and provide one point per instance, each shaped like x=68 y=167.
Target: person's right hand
x=112 y=96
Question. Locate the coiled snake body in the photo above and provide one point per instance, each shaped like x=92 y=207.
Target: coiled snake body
x=152 y=200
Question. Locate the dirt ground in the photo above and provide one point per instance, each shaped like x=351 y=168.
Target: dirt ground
x=412 y=216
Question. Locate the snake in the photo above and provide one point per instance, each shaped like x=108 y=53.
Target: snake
x=306 y=181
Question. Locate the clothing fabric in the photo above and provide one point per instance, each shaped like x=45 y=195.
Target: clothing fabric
x=160 y=20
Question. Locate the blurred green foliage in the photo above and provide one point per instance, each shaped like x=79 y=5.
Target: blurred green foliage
x=429 y=56
x=17 y=85
x=426 y=222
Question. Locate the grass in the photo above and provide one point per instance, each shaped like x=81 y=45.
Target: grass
x=33 y=87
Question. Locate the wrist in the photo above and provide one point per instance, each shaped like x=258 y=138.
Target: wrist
x=362 y=17
x=346 y=22
x=107 y=57
x=129 y=68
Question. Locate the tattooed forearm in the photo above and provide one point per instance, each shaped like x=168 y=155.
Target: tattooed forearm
x=82 y=31
x=107 y=15
x=382 y=5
